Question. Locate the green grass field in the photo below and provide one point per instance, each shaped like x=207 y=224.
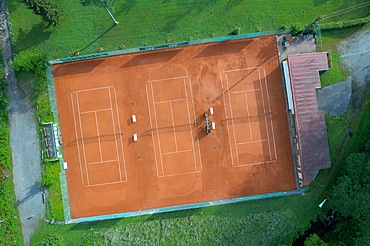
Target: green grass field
x=150 y=22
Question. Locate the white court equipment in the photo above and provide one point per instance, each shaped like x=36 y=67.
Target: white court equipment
x=211 y=111
x=135 y=137
x=65 y=165
x=133 y=118
x=213 y=125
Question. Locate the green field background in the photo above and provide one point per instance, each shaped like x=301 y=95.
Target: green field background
x=149 y=22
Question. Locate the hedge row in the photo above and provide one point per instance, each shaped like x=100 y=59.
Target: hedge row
x=347 y=23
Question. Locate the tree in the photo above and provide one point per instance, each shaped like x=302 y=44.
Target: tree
x=314 y=240
x=351 y=200
x=101 y=3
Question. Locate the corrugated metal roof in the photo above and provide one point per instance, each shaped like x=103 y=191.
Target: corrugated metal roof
x=310 y=121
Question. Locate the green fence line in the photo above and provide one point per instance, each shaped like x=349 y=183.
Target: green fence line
x=183 y=207
x=166 y=46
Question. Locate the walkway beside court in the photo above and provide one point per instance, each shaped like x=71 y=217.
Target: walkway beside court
x=24 y=144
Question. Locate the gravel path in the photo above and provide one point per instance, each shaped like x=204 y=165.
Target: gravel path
x=355 y=56
x=24 y=146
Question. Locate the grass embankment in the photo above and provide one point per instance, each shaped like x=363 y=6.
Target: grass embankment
x=150 y=22
x=10 y=226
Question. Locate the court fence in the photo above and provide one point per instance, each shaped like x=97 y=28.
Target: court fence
x=53 y=105
x=183 y=207
x=170 y=45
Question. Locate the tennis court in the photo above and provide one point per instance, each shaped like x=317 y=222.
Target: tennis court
x=175 y=126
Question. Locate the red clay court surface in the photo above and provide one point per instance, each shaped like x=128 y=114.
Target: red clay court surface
x=173 y=161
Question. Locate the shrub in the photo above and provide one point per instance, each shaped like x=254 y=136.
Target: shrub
x=47 y=9
x=347 y=23
x=297 y=28
x=236 y=31
x=52 y=240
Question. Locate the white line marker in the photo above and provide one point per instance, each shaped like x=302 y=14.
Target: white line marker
x=173 y=127
x=272 y=126
x=232 y=119
x=101 y=162
x=227 y=125
x=156 y=124
x=264 y=112
x=97 y=129
x=82 y=137
x=94 y=89
x=166 y=79
x=151 y=127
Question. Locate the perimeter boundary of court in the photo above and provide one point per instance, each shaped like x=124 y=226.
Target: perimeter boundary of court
x=54 y=109
x=170 y=45
x=184 y=207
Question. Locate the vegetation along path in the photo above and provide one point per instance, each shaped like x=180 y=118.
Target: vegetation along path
x=24 y=146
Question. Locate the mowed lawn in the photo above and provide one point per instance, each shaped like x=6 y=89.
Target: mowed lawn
x=149 y=22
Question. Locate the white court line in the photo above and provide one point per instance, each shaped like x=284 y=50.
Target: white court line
x=244 y=91
x=156 y=124
x=173 y=127
x=97 y=129
x=240 y=69
x=114 y=132
x=256 y=163
x=168 y=101
x=264 y=112
x=78 y=144
x=192 y=102
x=119 y=129
x=93 y=111
x=159 y=80
x=82 y=137
x=94 y=89
x=99 y=162
x=227 y=125
x=248 y=115
x=259 y=141
x=171 y=175
x=175 y=152
x=191 y=131
x=108 y=183
x=268 y=100
x=151 y=127
x=232 y=118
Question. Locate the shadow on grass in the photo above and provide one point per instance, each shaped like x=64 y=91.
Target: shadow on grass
x=39 y=33
x=97 y=38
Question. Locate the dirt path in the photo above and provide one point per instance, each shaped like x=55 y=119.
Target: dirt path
x=355 y=56
x=24 y=145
